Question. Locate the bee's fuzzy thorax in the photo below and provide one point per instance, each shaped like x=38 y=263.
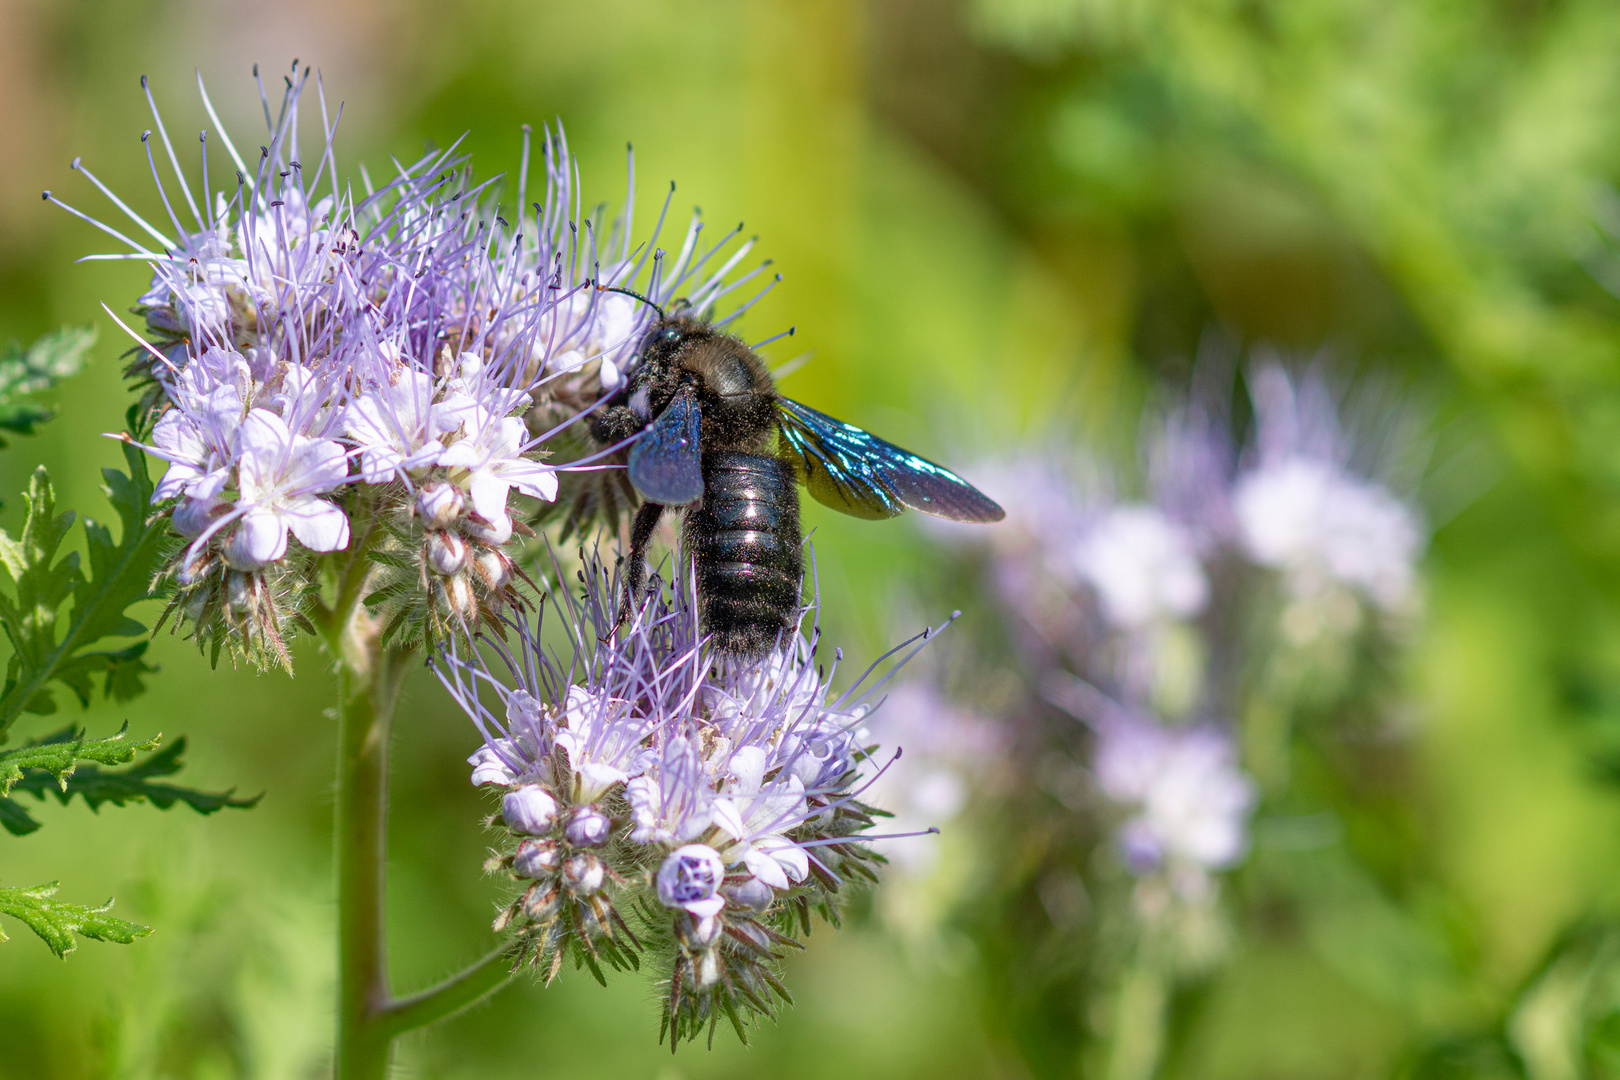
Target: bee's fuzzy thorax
x=735 y=392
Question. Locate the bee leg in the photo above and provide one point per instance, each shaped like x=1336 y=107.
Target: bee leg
x=635 y=571
x=614 y=424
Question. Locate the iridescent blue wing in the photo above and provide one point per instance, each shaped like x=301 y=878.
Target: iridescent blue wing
x=856 y=472
x=666 y=464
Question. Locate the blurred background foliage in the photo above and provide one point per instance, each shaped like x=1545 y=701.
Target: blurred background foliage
x=997 y=219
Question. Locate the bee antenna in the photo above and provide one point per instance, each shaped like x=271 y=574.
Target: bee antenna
x=635 y=295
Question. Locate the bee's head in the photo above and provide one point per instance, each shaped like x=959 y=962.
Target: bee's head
x=667 y=337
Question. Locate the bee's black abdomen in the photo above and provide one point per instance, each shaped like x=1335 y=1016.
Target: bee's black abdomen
x=744 y=541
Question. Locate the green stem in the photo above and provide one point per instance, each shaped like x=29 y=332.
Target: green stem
x=368 y=687
x=369 y=678
x=456 y=993
x=1139 y=1022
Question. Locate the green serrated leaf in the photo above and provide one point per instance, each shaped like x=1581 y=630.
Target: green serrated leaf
x=134 y=784
x=58 y=756
x=57 y=922
x=42 y=365
x=119 y=576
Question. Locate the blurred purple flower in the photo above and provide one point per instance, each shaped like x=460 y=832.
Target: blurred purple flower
x=1143 y=566
x=1189 y=801
x=1301 y=508
x=947 y=753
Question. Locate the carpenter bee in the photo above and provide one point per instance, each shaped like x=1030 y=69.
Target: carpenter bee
x=720 y=442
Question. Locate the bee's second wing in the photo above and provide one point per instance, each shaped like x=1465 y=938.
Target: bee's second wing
x=854 y=471
x=666 y=463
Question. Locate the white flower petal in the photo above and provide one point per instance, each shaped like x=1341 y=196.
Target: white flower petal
x=530 y=477
x=794 y=860
x=489 y=495
x=260 y=538
x=317 y=466
x=748 y=766
x=729 y=819
x=318 y=524
x=461 y=455
x=766 y=869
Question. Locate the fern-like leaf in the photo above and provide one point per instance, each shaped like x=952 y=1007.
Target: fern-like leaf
x=58 y=755
x=96 y=786
x=59 y=923
x=120 y=572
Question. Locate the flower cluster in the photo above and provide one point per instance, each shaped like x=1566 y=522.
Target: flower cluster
x=1137 y=612
x=1127 y=577
x=1188 y=801
x=1300 y=509
x=371 y=371
x=657 y=799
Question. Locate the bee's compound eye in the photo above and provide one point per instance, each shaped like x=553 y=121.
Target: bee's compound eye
x=670 y=335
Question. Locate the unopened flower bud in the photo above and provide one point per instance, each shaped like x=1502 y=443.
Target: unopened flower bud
x=192 y=516
x=162 y=320
x=439 y=503
x=536 y=859
x=753 y=894
x=446 y=553
x=496 y=532
x=239 y=554
x=690 y=879
x=530 y=809
x=455 y=596
x=489 y=767
x=583 y=874
x=706 y=931
x=753 y=932
x=196 y=602
x=705 y=969
x=494 y=568
x=541 y=901
x=238 y=590
x=589 y=925
x=588 y=827
x=193 y=567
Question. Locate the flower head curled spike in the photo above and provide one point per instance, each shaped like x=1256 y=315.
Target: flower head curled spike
x=717 y=799
x=326 y=363
x=1303 y=507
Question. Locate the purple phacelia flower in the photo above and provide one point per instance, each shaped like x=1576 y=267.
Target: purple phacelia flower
x=1189 y=802
x=1302 y=506
x=718 y=792
x=281 y=475
x=400 y=353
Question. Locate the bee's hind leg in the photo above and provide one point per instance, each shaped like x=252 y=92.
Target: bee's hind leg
x=635 y=570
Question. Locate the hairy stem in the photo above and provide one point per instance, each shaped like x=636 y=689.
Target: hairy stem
x=368 y=688
x=460 y=991
x=368 y=682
